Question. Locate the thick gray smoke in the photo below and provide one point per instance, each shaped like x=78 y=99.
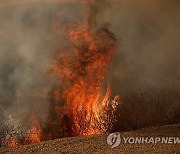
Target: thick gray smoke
x=27 y=46
x=148 y=32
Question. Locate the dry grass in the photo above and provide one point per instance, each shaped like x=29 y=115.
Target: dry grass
x=140 y=109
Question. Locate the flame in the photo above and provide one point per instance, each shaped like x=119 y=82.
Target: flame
x=34 y=134
x=11 y=141
x=82 y=69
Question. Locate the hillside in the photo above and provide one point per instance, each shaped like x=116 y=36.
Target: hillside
x=98 y=144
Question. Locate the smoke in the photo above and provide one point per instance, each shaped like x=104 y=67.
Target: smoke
x=27 y=44
x=148 y=33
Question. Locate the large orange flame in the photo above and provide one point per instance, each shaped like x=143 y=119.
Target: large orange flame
x=82 y=70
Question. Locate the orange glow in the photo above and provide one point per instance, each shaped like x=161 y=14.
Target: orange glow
x=82 y=69
x=12 y=142
x=34 y=134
